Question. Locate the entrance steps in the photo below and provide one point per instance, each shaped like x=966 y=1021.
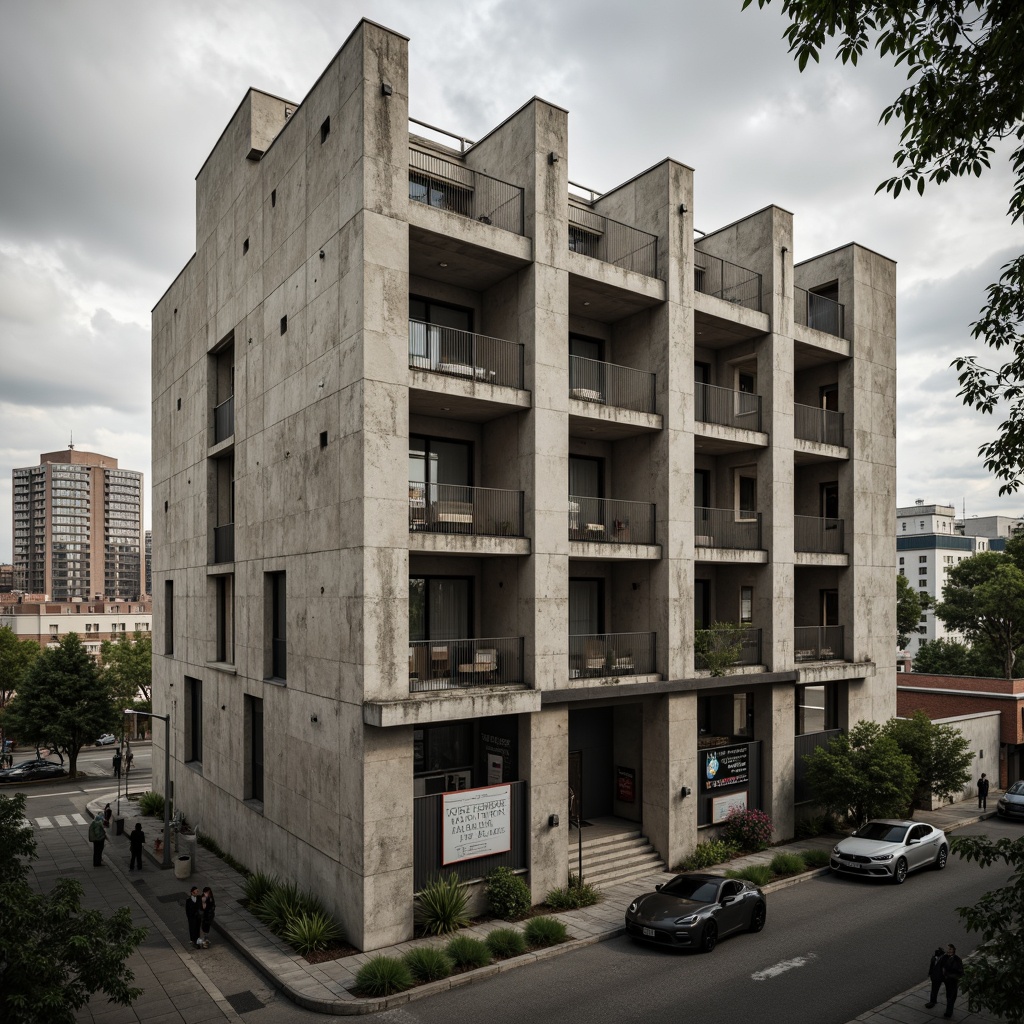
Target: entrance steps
x=619 y=857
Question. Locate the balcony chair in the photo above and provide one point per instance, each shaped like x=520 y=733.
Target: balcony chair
x=594 y=655
x=485 y=663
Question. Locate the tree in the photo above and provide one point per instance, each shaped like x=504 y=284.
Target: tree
x=53 y=954
x=946 y=657
x=63 y=701
x=718 y=647
x=128 y=669
x=941 y=756
x=965 y=68
x=862 y=774
x=992 y=974
x=16 y=656
x=910 y=604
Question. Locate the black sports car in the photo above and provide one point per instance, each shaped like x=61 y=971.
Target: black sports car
x=695 y=911
x=28 y=771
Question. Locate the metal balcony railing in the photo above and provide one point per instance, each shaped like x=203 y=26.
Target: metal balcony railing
x=610 y=521
x=612 y=654
x=464 y=355
x=458 y=664
x=814 y=533
x=726 y=528
x=611 y=242
x=224 y=543
x=451 y=186
x=727 y=407
x=725 y=280
x=819 y=312
x=472 y=511
x=817 y=643
x=812 y=423
x=224 y=420
x=591 y=380
x=748 y=639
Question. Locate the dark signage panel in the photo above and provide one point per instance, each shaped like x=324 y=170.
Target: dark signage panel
x=625 y=784
x=725 y=766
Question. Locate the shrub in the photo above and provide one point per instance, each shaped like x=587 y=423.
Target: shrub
x=382 y=976
x=257 y=885
x=827 y=824
x=441 y=906
x=576 y=894
x=309 y=933
x=816 y=858
x=707 y=853
x=788 y=864
x=505 y=943
x=807 y=828
x=545 y=931
x=759 y=874
x=151 y=803
x=428 y=963
x=508 y=896
x=466 y=952
x=748 y=829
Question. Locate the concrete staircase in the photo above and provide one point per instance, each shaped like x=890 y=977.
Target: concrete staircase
x=609 y=859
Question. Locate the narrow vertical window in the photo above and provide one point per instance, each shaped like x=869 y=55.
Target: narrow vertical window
x=254 y=748
x=224 y=612
x=193 y=719
x=325 y=130
x=275 y=618
x=168 y=616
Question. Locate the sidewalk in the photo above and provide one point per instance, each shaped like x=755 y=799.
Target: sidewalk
x=326 y=987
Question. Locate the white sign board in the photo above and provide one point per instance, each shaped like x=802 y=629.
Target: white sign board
x=722 y=805
x=476 y=823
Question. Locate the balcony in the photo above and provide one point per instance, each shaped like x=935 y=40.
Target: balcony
x=726 y=528
x=610 y=521
x=612 y=654
x=451 y=186
x=725 y=280
x=467 y=511
x=466 y=356
x=818 y=643
x=742 y=645
x=818 y=312
x=591 y=234
x=812 y=423
x=224 y=420
x=460 y=664
x=599 y=383
x=224 y=543
x=727 y=407
x=813 y=533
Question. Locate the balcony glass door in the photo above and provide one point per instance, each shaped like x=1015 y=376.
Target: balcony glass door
x=440 y=483
x=440 y=608
x=439 y=333
x=585 y=607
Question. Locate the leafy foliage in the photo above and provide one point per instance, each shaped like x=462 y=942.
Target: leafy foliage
x=574 y=895
x=428 y=963
x=508 y=896
x=310 y=932
x=383 y=976
x=128 y=670
x=748 y=829
x=55 y=954
x=910 y=603
x=257 y=885
x=505 y=943
x=947 y=657
x=707 y=853
x=151 y=803
x=759 y=874
x=817 y=825
x=545 y=931
x=467 y=953
x=718 y=647
x=940 y=754
x=16 y=657
x=992 y=974
x=816 y=858
x=441 y=906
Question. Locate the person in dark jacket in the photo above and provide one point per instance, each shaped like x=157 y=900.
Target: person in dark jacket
x=952 y=972
x=982 y=792
x=194 y=916
x=116 y=761
x=935 y=975
x=97 y=836
x=209 y=909
x=136 y=841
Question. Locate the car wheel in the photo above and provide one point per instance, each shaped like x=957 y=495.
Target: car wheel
x=709 y=937
x=758 y=917
x=940 y=860
x=899 y=872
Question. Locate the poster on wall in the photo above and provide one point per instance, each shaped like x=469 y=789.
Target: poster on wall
x=495 y=769
x=726 y=766
x=476 y=823
x=625 y=784
x=722 y=806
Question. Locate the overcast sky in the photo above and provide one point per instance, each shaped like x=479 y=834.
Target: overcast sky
x=110 y=108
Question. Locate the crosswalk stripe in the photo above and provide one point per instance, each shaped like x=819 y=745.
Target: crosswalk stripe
x=78 y=819
x=44 y=823
x=62 y=820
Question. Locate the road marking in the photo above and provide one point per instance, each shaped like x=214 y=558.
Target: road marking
x=78 y=819
x=62 y=820
x=44 y=823
x=784 y=965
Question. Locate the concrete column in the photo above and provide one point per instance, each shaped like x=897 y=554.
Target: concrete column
x=544 y=764
x=775 y=726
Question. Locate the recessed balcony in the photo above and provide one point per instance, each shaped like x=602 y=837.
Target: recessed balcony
x=610 y=241
x=464 y=355
x=612 y=654
x=823 y=426
x=462 y=664
x=818 y=534
x=726 y=407
x=224 y=543
x=465 y=511
x=599 y=383
x=818 y=643
x=725 y=280
x=611 y=521
x=818 y=312
x=737 y=647
x=728 y=528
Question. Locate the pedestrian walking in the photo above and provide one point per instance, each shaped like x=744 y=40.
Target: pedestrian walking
x=194 y=916
x=97 y=836
x=107 y=815
x=935 y=975
x=129 y=759
x=952 y=972
x=982 y=792
x=117 y=764
x=136 y=840
x=209 y=909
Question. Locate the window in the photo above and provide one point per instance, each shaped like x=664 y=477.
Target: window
x=922 y=583
x=828 y=496
x=439 y=335
x=746 y=494
x=901 y=561
x=284 y=324
x=924 y=618
x=224 y=614
x=922 y=570
x=325 y=130
x=53 y=630
x=746 y=604
x=922 y=558
x=253 y=748
x=168 y=616
x=88 y=627
x=904 y=527
x=902 y=573
x=193 y=719
x=275 y=624
x=816 y=708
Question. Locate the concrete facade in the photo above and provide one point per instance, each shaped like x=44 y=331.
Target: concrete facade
x=437 y=498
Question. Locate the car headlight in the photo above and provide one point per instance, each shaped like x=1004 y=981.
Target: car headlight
x=633 y=906
x=835 y=849
x=883 y=856
x=687 y=920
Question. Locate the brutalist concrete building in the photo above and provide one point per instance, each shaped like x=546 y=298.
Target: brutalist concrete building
x=484 y=505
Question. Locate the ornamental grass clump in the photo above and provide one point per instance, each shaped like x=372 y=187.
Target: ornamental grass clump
x=151 y=803
x=257 y=885
x=545 y=931
x=706 y=854
x=816 y=858
x=508 y=896
x=788 y=864
x=441 y=906
x=311 y=933
x=467 y=953
x=383 y=976
x=505 y=943
x=573 y=896
x=748 y=829
x=759 y=874
x=428 y=963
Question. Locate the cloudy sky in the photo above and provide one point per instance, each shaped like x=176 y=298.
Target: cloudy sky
x=111 y=107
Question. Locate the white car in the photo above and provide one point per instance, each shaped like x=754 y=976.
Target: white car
x=890 y=849
x=106 y=739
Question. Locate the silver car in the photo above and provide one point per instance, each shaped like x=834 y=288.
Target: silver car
x=1011 y=803
x=890 y=849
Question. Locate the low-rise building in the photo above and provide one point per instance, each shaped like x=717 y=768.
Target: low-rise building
x=45 y=622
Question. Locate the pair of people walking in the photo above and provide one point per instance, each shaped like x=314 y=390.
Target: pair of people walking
x=200 y=909
x=945 y=968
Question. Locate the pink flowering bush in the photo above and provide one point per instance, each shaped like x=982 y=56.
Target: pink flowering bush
x=749 y=830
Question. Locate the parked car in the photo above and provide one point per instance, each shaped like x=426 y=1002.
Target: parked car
x=106 y=739
x=32 y=770
x=695 y=911
x=1011 y=803
x=890 y=850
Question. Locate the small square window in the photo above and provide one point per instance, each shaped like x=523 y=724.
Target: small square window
x=325 y=130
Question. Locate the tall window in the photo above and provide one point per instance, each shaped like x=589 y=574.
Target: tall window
x=224 y=614
x=193 y=719
x=440 y=608
x=746 y=604
x=816 y=708
x=275 y=621
x=253 y=748
x=168 y=616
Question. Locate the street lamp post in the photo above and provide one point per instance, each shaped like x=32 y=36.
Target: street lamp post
x=166 y=719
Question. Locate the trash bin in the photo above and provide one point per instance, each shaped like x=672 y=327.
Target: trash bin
x=119 y=826
x=182 y=865
x=187 y=844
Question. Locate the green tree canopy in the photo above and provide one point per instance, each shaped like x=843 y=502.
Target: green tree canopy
x=128 y=669
x=63 y=701
x=942 y=757
x=910 y=604
x=53 y=954
x=16 y=657
x=947 y=657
